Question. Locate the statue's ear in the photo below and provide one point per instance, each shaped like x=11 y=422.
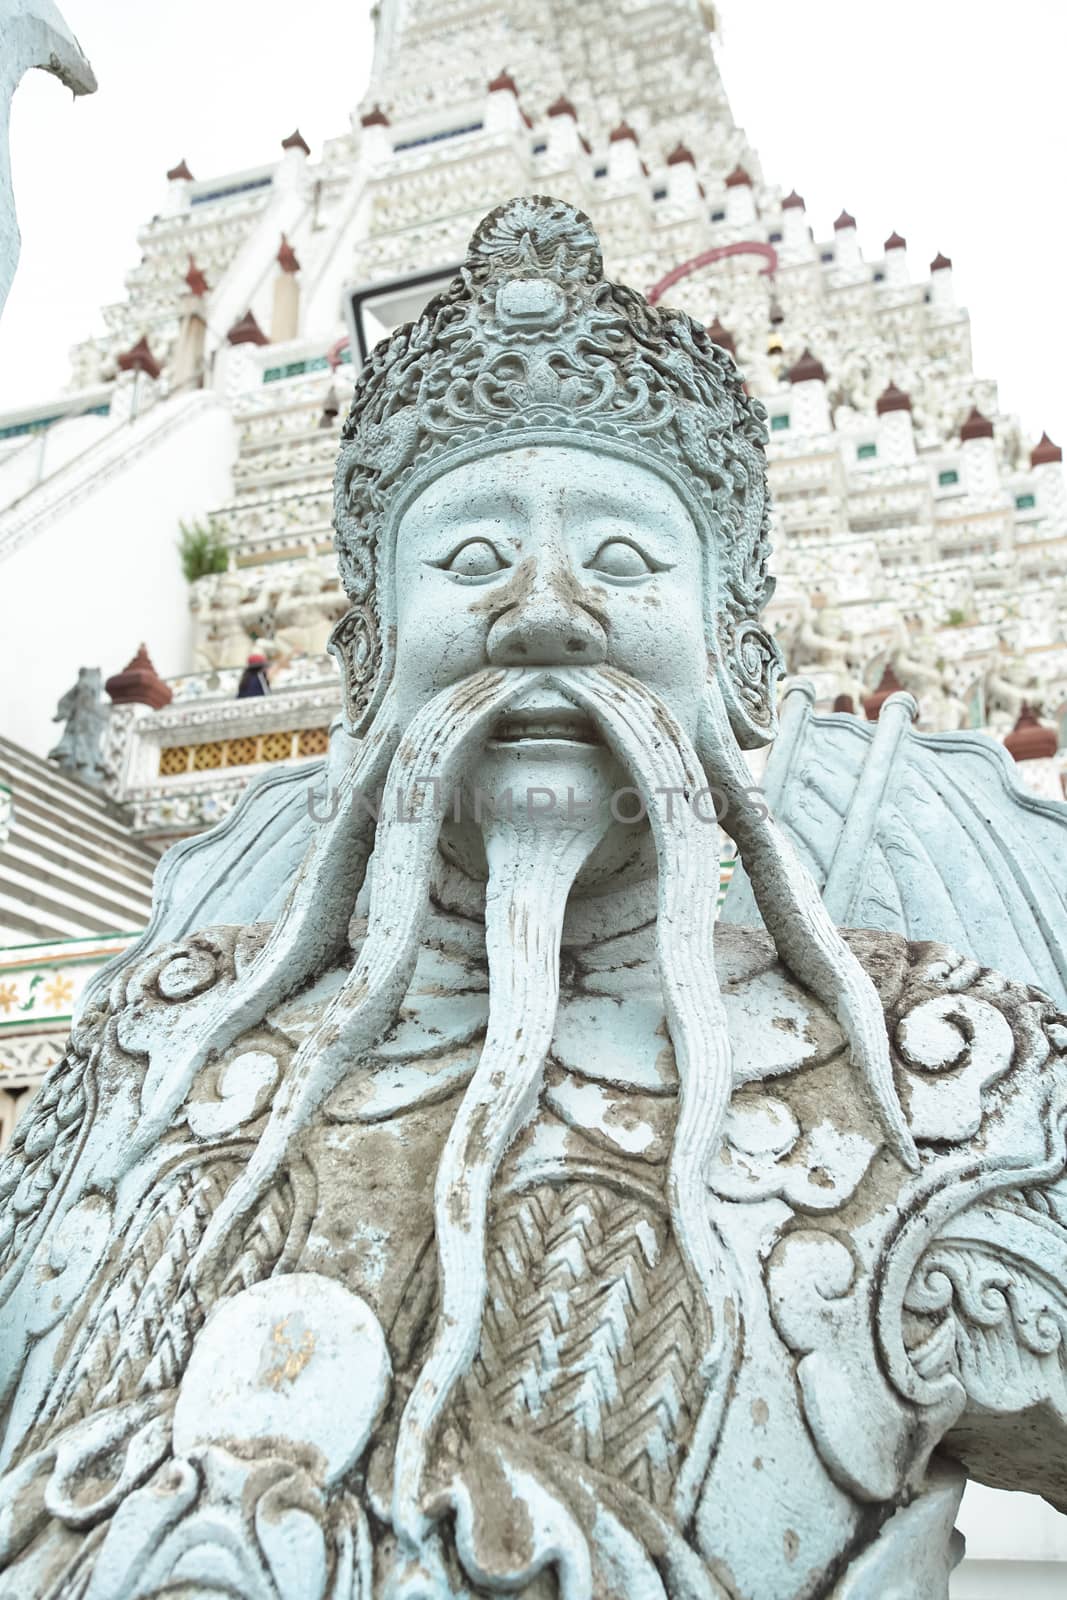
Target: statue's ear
x=748 y=664
x=356 y=646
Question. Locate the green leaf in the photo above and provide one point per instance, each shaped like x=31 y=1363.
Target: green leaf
x=201 y=550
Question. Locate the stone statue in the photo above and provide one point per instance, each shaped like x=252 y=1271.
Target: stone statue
x=1010 y=683
x=32 y=34
x=821 y=640
x=302 y=619
x=201 y=598
x=85 y=712
x=220 y=603
x=919 y=663
x=488 y=1221
x=256 y=614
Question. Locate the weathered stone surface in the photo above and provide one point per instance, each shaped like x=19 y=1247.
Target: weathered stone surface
x=32 y=34
x=483 y=1219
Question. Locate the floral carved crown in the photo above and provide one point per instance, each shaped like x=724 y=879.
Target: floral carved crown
x=531 y=344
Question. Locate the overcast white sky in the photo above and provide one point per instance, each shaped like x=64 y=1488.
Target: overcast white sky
x=943 y=119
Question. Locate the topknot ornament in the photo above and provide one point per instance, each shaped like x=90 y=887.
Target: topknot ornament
x=530 y=344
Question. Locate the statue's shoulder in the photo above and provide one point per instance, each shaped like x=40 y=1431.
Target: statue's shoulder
x=931 y=1303
x=977 y=1058
x=159 y=986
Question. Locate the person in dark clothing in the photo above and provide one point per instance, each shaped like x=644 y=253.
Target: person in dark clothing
x=254 y=679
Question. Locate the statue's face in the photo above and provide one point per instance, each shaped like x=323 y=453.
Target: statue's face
x=550 y=556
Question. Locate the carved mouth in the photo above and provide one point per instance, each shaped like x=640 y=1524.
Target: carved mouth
x=523 y=727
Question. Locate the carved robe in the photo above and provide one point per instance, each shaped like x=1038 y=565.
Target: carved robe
x=892 y=1331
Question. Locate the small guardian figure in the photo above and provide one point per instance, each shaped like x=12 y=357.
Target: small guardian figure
x=302 y=621
x=85 y=713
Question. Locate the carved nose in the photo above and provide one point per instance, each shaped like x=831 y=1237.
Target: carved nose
x=547 y=629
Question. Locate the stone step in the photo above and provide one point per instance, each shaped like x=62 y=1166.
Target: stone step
x=100 y=829
x=45 y=776
x=125 y=910
x=68 y=866
x=105 y=835
x=55 y=826
x=38 y=920
x=105 y=874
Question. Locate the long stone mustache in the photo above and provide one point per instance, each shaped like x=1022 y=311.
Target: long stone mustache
x=436 y=746
x=802 y=929
x=524 y=987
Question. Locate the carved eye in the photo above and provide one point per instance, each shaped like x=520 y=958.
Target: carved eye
x=475 y=559
x=618 y=558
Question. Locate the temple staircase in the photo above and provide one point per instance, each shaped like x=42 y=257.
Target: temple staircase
x=69 y=868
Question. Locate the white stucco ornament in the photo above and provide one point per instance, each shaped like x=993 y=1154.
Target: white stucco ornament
x=459 y=1210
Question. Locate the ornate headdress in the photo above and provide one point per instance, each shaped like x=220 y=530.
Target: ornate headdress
x=530 y=344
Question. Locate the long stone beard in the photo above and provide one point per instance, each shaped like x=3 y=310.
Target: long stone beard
x=530 y=876
x=531 y=871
